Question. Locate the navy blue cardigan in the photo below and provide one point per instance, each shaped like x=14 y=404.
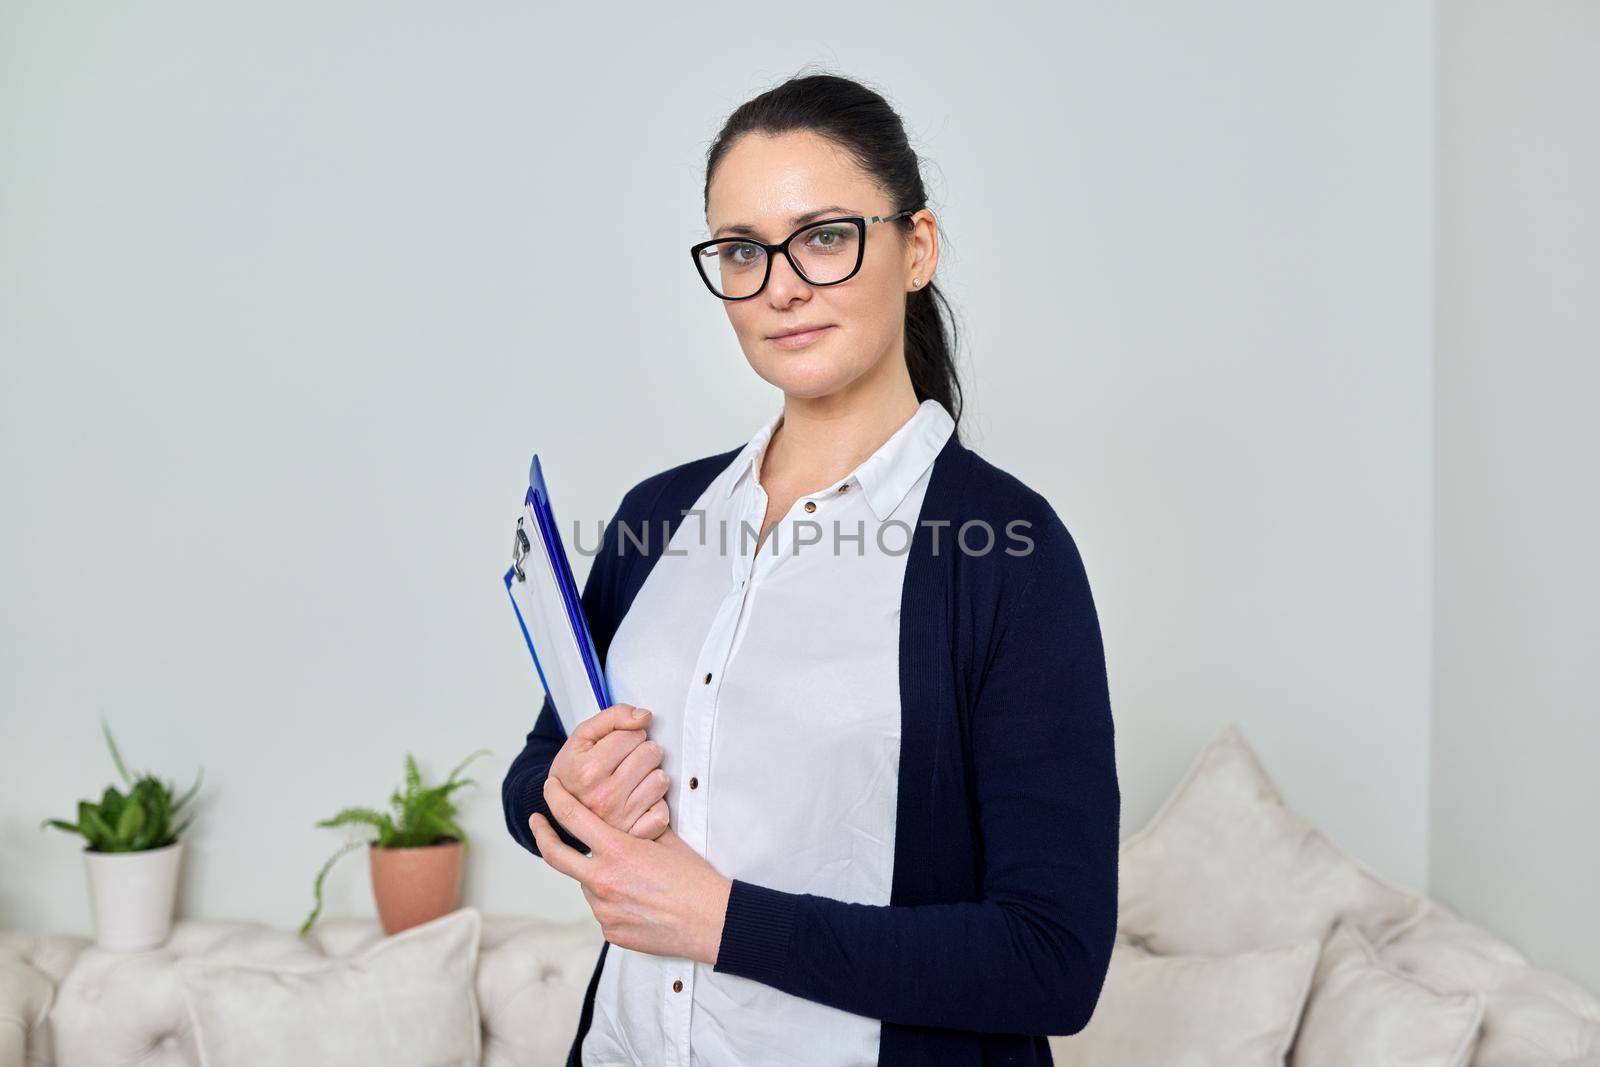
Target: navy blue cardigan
x=1003 y=909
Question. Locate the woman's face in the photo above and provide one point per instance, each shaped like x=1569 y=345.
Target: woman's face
x=776 y=184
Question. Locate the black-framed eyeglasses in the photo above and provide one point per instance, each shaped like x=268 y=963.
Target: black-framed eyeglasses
x=828 y=252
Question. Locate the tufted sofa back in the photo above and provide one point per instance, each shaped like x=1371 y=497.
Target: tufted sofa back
x=66 y=1003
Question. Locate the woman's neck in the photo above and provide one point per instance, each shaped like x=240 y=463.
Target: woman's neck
x=821 y=439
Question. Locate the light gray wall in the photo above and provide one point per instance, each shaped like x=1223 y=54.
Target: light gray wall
x=288 y=294
x=1516 y=736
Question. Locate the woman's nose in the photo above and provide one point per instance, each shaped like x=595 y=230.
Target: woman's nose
x=785 y=281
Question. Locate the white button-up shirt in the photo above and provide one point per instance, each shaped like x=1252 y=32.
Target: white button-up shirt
x=773 y=676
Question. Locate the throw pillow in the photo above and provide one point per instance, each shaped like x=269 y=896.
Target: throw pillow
x=1225 y=865
x=408 y=1001
x=1363 y=1011
x=1199 y=1011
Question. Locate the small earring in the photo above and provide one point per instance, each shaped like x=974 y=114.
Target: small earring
x=916 y=282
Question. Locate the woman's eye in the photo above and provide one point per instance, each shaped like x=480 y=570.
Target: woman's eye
x=828 y=238
x=740 y=255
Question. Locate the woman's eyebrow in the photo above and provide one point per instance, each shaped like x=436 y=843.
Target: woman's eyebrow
x=747 y=230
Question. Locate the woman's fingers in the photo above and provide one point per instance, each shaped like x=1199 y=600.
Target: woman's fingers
x=614 y=771
x=609 y=752
x=645 y=800
x=653 y=823
x=597 y=745
x=556 y=852
x=582 y=823
x=605 y=776
x=635 y=767
x=616 y=717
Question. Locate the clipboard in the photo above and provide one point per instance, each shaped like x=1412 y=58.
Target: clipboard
x=549 y=610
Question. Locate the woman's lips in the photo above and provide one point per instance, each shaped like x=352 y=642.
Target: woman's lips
x=800 y=340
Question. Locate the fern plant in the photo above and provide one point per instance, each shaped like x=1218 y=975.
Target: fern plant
x=141 y=820
x=423 y=815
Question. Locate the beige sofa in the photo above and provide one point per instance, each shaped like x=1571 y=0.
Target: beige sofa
x=66 y=1003
x=1245 y=937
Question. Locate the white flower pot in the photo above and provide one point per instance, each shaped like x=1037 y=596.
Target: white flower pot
x=132 y=895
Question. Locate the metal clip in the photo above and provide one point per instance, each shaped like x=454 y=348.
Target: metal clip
x=519 y=550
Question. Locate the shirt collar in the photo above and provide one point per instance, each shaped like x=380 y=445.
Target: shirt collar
x=886 y=476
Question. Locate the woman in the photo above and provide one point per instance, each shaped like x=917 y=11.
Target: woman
x=857 y=802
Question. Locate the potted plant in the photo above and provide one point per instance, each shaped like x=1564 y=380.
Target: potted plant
x=417 y=856
x=133 y=853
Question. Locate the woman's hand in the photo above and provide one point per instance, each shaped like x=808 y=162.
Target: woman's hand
x=613 y=769
x=660 y=896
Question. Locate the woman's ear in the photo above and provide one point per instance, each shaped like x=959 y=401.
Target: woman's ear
x=922 y=249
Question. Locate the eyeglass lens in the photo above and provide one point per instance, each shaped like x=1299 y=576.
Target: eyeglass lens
x=825 y=253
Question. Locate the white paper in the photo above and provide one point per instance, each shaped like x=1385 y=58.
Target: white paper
x=544 y=613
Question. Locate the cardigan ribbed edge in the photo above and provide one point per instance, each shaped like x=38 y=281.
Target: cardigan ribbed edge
x=756 y=932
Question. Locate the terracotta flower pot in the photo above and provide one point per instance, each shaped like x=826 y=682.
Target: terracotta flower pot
x=415 y=885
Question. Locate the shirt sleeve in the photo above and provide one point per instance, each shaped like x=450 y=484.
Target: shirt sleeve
x=1030 y=956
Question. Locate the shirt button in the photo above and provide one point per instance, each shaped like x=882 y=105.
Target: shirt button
x=677 y=987
x=708 y=677
x=811 y=505
x=694 y=783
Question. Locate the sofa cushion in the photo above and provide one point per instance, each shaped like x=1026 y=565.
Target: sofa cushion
x=531 y=982
x=1225 y=865
x=122 y=1009
x=1362 y=1010
x=1239 y=1010
x=1532 y=1018
x=26 y=994
x=408 y=1001
x=119 y=1009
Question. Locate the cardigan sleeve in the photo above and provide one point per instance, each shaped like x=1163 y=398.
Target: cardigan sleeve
x=1030 y=956
x=522 y=791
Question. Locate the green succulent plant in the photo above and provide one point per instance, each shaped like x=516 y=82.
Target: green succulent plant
x=142 y=819
x=423 y=815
